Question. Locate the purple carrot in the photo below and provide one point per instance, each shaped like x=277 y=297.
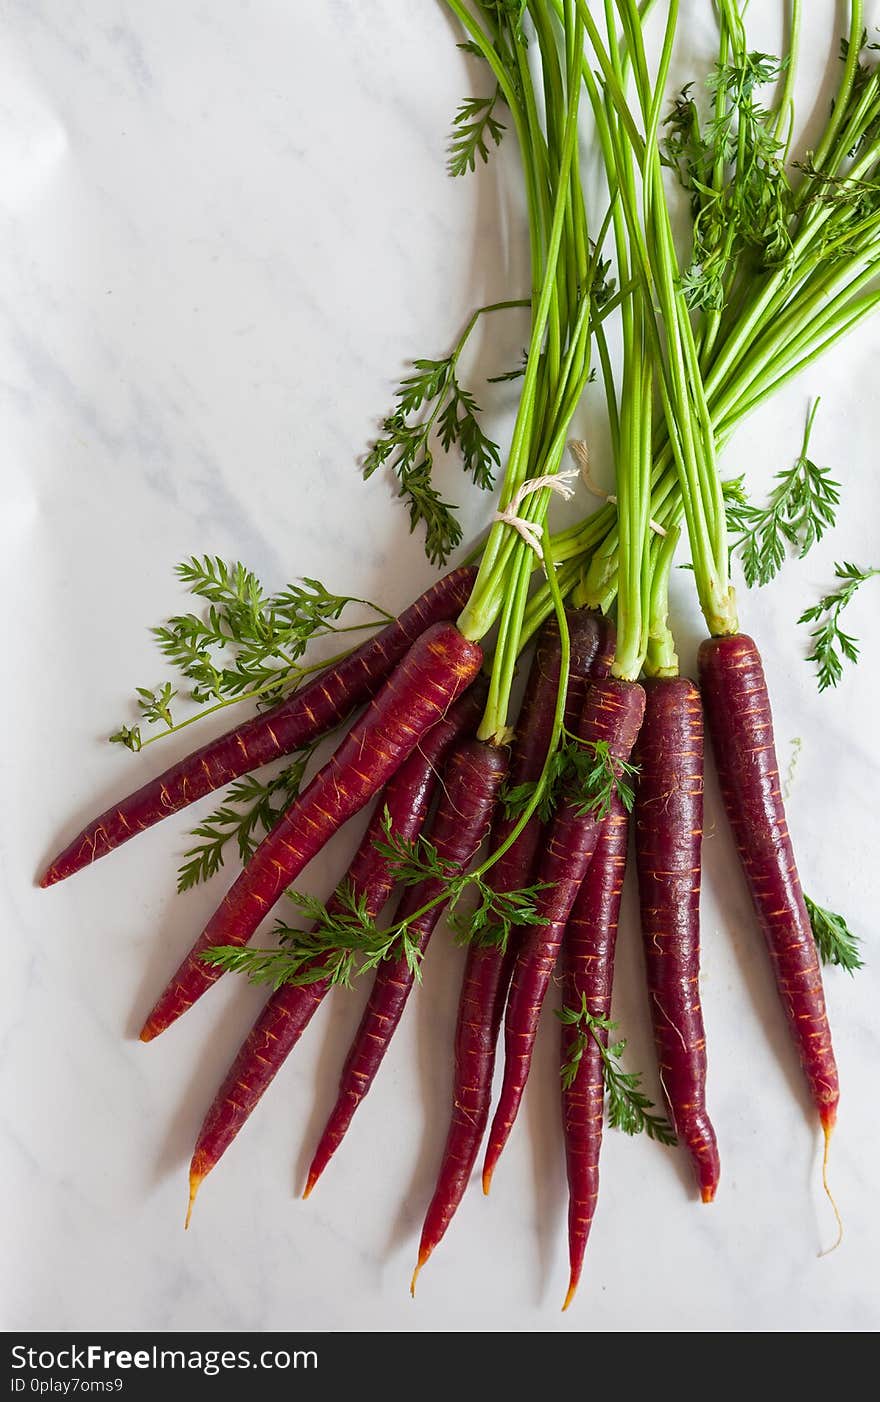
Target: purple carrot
x=309 y=713
x=288 y=1012
x=669 y=836
x=488 y=968
x=604 y=658
x=741 y=725
x=588 y=971
x=468 y=793
x=437 y=668
x=612 y=714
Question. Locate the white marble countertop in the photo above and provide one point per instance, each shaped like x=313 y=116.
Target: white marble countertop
x=224 y=229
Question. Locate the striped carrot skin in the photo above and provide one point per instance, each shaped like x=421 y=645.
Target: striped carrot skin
x=586 y=633
x=588 y=970
x=741 y=726
x=604 y=659
x=437 y=668
x=310 y=712
x=534 y=728
x=587 y=643
x=487 y=970
x=468 y=793
x=669 y=836
x=289 y=1010
x=612 y=713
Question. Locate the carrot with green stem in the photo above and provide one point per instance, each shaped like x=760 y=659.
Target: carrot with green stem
x=607 y=731
x=400 y=811
x=311 y=711
x=434 y=672
x=669 y=834
x=598 y=753
x=734 y=687
x=469 y=789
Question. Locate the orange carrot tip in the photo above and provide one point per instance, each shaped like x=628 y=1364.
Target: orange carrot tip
x=487 y=1178
x=424 y=1254
x=572 y=1291
x=312 y=1180
x=707 y=1193
x=196 y=1180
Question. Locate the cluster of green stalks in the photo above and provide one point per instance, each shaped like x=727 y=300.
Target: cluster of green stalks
x=785 y=260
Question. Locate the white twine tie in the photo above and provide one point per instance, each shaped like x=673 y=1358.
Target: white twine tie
x=581 y=454
x=560 y=482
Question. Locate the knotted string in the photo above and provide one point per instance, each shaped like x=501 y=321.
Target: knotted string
x=560 y=482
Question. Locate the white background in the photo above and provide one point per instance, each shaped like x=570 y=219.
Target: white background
x=223 y=231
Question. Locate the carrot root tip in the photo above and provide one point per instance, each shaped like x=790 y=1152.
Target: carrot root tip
x=572 y=1291
x=195 y=1182
x=424 y=1253
x=487 y=1179
x=828 y=1119
x=828 y=1116
x=312 y=1180
x=707 y=1193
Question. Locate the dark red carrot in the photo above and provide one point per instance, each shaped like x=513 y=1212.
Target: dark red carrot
x=669 y=835
x=588 y=646
x=437 y=668
x=602 y=662
x=488 y=969
x=588 y=971
x=741 y=725
x=288 y=1012
x=310 y=712
x=587 y=637
x=612 y=714
x=468 y=793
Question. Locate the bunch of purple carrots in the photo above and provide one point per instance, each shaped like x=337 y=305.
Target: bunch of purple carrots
x=515 y=822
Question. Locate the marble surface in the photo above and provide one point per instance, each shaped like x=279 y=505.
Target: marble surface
x=224 y=229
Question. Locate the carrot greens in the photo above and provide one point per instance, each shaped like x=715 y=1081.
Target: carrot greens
x=473 y=127
x=629 y=1108
x=342 y=932
x=777 y=316
x=830 y=646
x=247 y=646
x=590 y=769
x=432 y=400
x=798 y=513
x=249 y=810
x=344 y=941
x=835 y=941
